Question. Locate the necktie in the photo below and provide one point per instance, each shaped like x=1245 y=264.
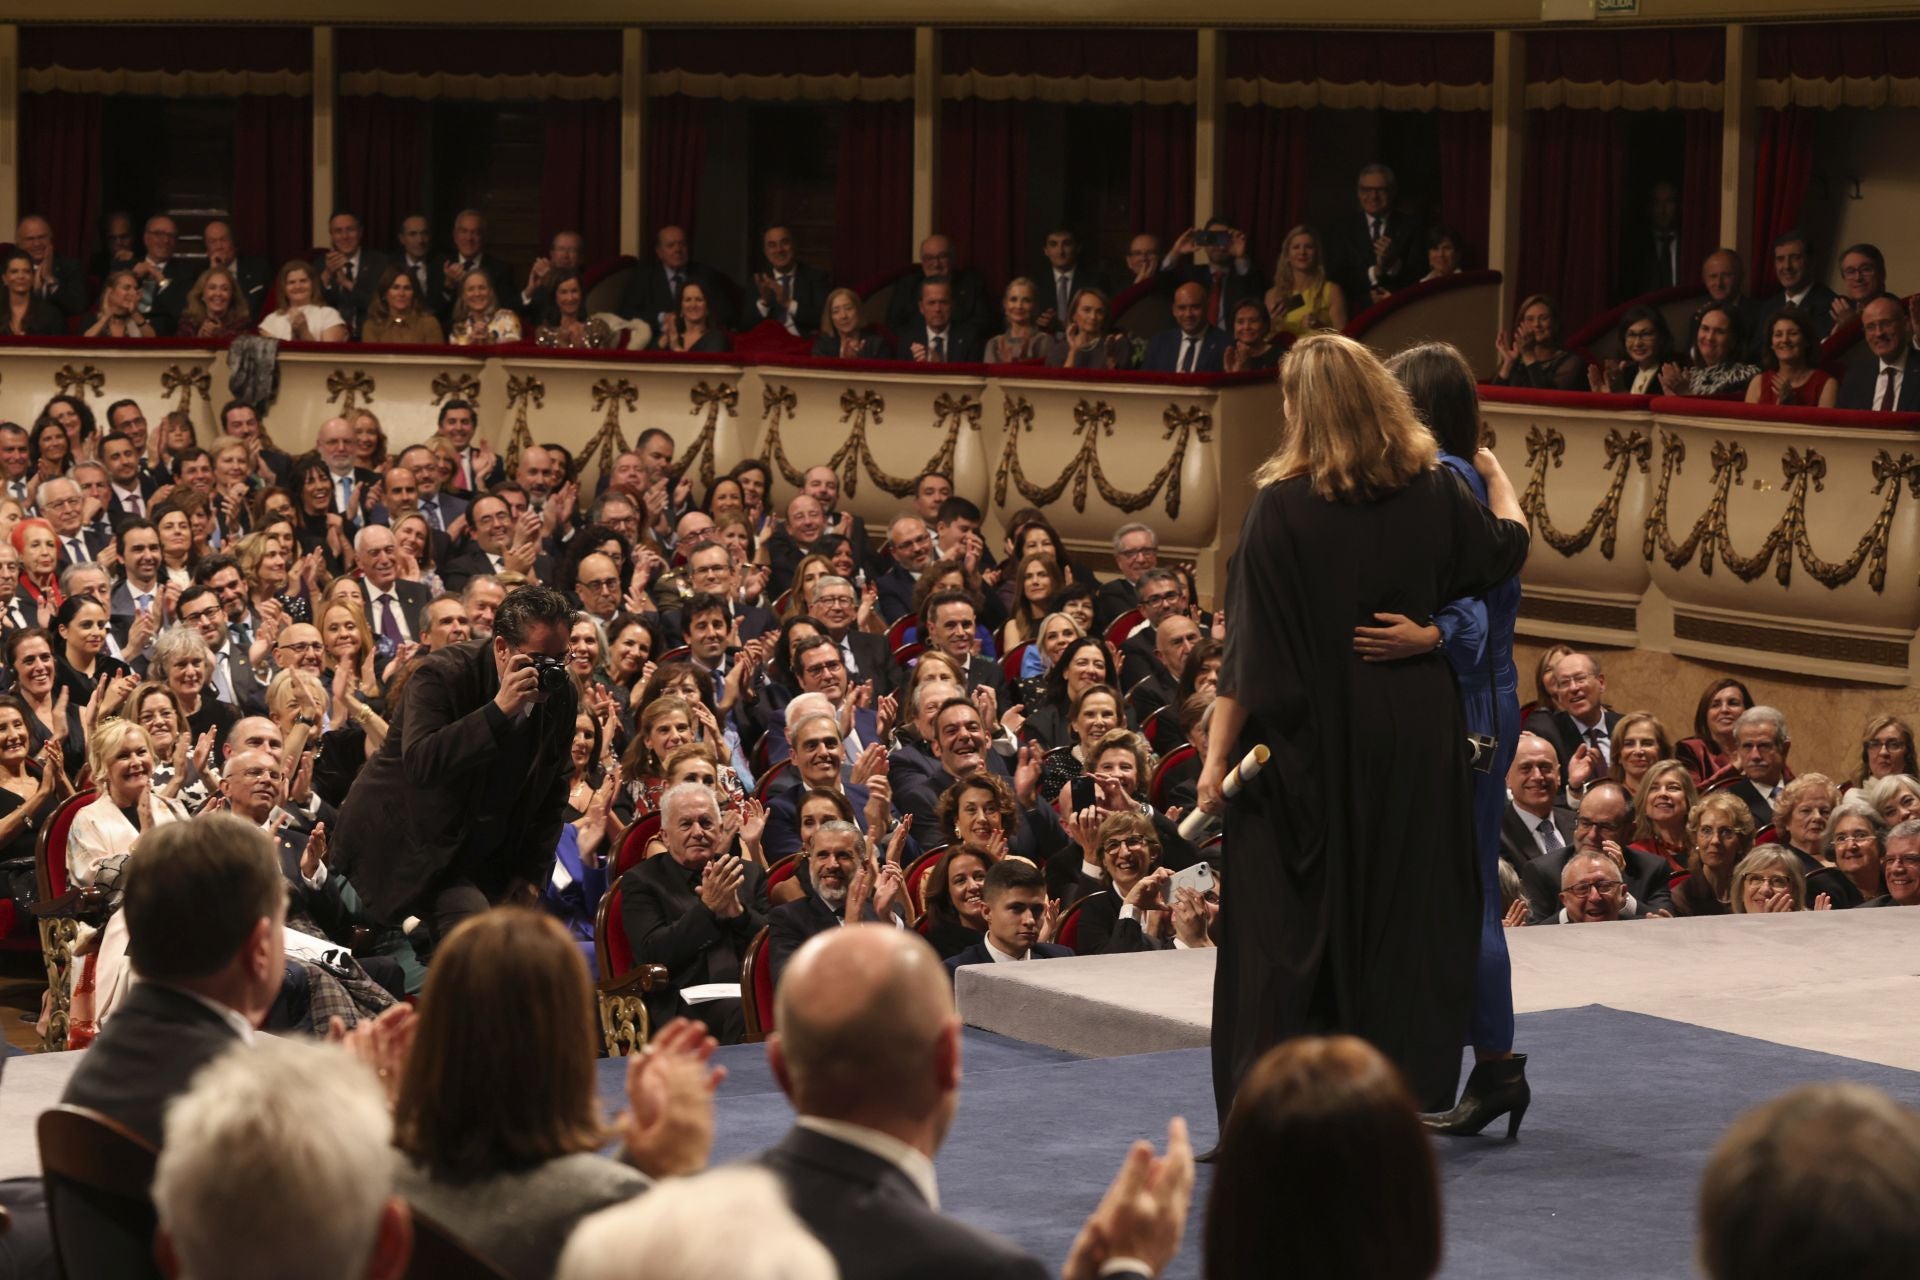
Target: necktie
x=786 y=288
x=466 y=468
x=143 y=601
x=346 y=270
x=1598 y=738
x=1888 y=373
x=1374 y=231
x=466 y=264
x=674 y=281
x=76 y=551
x=345 y=487
x=390 y=620
x=940 y=349
x=1550 y=836
x=1062 y=298
x=1213 y=297
x=419 y=270
x=430 y=508
x=1188 y=346
x=223 y=678
x=134 y=504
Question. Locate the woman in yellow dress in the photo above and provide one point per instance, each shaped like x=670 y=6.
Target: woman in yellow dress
x=1303 y=300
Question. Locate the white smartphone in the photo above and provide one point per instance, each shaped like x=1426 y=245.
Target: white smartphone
x=1199 y=877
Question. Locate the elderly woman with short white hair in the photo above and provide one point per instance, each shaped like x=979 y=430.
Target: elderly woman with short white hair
x=183 y=662
x=1770 y=880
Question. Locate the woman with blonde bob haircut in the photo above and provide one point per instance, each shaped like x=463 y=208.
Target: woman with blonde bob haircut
x=1353 y=516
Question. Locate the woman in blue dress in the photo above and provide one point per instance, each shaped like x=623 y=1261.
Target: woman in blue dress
x=1476 y=633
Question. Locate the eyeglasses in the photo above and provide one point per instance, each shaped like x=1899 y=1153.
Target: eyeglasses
x=598 y=584
x=1135 y=553
x=834 y=601
x=1854 y=837
x=1159 y=598
x=1887 y=745
x=818 y=669
x=1772 y=882
x=201 y=615
x=1584 y=823
x=1123 y=842
x=1911 y=861
x=1605 y=888
x=305 y=646
x=1856 y=272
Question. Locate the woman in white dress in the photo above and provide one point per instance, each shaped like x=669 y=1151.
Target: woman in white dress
x=302 y=315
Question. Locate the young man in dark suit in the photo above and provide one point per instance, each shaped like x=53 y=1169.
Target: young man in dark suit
x=349 y=271
x=868 y=1052
x=461 y=806
x=1793 y=269
x=694 y=909
x=1191 y=345
x=971 y=306
x=1060 y=277
x=911 y=546
x=1016 y=893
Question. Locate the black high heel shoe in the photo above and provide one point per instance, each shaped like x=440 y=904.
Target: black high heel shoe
x=1497 y=1088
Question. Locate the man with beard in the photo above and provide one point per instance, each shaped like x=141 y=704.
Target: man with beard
x=842 y=875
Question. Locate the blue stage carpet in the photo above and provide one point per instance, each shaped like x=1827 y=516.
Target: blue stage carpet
x=1602 y=1184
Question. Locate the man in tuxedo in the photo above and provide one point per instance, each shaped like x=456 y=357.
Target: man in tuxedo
x=476 y=470
x=836 y=603
x=935 y=336
x=349 y=271
x=129 y=491
x=654 y=292
x=253 y=274
x=461 y=806
x=1602 y=830
x=566 y=255
x=1651 y=257
x=64 y=505
x=1759 y=766
x=1584 y=725
x=1884 y=383
x=1016 y=893
x=164 y=278
x=1793 y=268
x=695 y=910
x=16 y=461
x=60 y=281
x=968 y=303
x=415 y=237
x=1535 y=823
x=953 y=629
x=393 y=603
x=842 y=874
x=1136 y=550
x=205 y=918
x=1063 y=276
x=1375 y=248
x=470 y=254
x=1224 y=279
x=789 y=292
x=823 y=483
x=351 y=483
x=912 y=548
x=1191 y=345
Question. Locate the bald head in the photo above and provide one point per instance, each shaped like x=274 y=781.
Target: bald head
x=867 y=1033
x=1190 y=307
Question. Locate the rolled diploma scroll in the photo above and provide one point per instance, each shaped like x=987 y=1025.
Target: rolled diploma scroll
x=1196 y=824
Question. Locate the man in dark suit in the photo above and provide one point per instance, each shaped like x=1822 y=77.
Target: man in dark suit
x=961 y=744
x=164 y=278
x=1606 y=817
x=1136 y=550
x=1584 y=727
x=935 y=336
x=1758 y=769
x=1191 y=345
x=417 y=259
x=130 y=489
x=654 y=291
x=836 y=603
x=1160 y=594
x=823 y=483
x=439 y=507
x=253 y=274
x=789 y=292
x=969 y=305
x=1376 y=248
x=911 y=546
x=477 y=468
x=349 y=271
x=1224 y=278
x=1174 y=637
x=1793 y=268
x=1885 y=382
x=1592 y=891
x=205 y=917
x=952 y=628
x=139 y=588
x=566 y=256
x=470 y=254
x=1650 y=257
x=710 y=569
x=60 y=281
x=231 y=678
x=1535 y=824
x=694 y=910
x=819 y=668
x=64 y=506
x=842 y=875
x=1062 y=276
x=461 y=806
x=242 y=421
x=795 y=541
x=1723 y=276
x=868 y=1052
x=393 y=602
x=1016 y=894
x=495 y=546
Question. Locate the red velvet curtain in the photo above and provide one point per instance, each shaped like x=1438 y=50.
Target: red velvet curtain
x=1699 y=192
x=1266 y=175
x=1570 y=209
x=1466 y=177
x=580 y=174
x=873 y=190
x=272 y=162
x=983 y=168
x=382 y=154
x=1162 y=180
x=60 y=165
x=1782 y=170
x=676 y=150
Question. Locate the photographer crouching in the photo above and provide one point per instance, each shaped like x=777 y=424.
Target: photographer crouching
x=461 y=807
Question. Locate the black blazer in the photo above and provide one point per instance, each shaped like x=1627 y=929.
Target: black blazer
x=667 y=924
x=1083 y=276
x=792 y=923
x=413 y=601
x=977 y=954
x=649 y=295
x=1647 y=880
x=876 y=662
x=503 y=276
x=1163 y=352
x=964 y=343
x=1349 y=253
x=1067 y=883
x=1860 y=388
x=69 y=296
x=896 y=593
x=1114 y=598
x=1104 y=933
x=353 y=302
x=876 y=1224
x=971 y=308
x=1517 y=844
x=811 y=286
x=92 y=539
x=1565 y=734
x=872 y=347
x=147 y=1053
x=1818 y=303
x=172 y=300
x=456 y=790
x=44 y=319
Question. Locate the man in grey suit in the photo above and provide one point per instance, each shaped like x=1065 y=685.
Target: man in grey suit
x=868 y=1052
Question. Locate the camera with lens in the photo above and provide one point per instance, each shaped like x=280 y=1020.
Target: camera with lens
x=1483 y=747
x=549 y=674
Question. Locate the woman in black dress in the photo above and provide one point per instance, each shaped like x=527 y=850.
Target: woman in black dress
x=1354 y=900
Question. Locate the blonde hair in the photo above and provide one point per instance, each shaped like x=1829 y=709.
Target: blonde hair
x=1283 y=273
x=1349 y=427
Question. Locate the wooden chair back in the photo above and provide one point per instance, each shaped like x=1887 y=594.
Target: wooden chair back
x=98 y=1176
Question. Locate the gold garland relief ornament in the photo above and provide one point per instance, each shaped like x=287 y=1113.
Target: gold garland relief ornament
x=1547 y=447
x=1094 y=420
x=610 y=394
x=456 y=386
x=350 y=389
x=184 y=382
x=523 y=393
x=712 y=400
x=777 y=405
x=83 y=382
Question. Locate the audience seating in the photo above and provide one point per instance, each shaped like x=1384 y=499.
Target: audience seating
x=60 y=910
x=440 y=1255
x=756 y=986
x=783 y=881
x=917 y=873
x=633 y=848
x=1163 y=773
x=621 y=983
x=1067 y=934
x=903 y=656
x=1011 y=663
x=1125 y=625
x=902 y=630
x=764 y=787
x=98 y=1176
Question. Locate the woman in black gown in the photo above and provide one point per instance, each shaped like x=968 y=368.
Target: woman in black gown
x=1353 y=898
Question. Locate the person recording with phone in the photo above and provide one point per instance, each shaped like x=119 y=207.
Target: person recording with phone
x=461 y=807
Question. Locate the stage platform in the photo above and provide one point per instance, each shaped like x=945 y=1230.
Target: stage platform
x=1845 y=983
